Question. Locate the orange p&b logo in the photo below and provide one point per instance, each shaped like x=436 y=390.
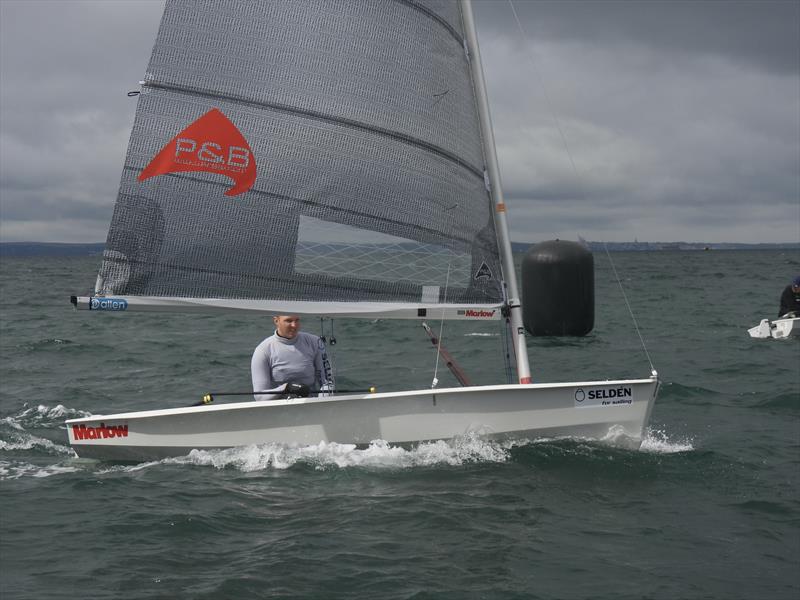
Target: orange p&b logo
x=213 y=144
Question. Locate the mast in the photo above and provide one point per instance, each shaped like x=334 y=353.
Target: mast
x=496 y=191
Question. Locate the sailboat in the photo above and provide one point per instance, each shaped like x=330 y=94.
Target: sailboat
x=782 y=328
x=332 y=159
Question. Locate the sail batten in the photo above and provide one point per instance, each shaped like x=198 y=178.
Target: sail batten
x=390 y=223
x=322 y=151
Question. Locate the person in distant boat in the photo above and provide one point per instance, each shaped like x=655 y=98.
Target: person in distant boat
x=289 y=356
x=790 y=299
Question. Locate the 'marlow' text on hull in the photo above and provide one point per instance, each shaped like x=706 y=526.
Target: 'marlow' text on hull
x=82 y=432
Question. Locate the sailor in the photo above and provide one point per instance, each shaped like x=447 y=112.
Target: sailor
x=790 y=299
x=289 y=356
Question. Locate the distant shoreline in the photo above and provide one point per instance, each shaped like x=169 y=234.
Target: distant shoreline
x=28 y=249
x=23 y=249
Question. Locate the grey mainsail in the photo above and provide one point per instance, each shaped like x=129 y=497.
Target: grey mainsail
x=320 y=151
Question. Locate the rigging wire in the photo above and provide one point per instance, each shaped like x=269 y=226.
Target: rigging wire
x=435 y=381
x=630 y=311
x=524 y=35
x=553 y=114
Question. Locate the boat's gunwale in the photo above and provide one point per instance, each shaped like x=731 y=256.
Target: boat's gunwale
x=249 y=404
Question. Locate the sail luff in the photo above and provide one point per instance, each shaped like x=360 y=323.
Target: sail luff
x=496 y=190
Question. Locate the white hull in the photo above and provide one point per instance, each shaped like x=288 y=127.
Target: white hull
x=587 y=410
x=777 y=329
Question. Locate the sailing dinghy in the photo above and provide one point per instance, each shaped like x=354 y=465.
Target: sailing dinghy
x=336 y=159
x=779 y=329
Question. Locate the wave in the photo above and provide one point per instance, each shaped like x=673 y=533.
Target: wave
x=17 y=470
x=770 y=507
x=657 y=441
x=42 y=416
x=464 y=450
x=326 y=455
x=25 y=441
x=45 y=344
x=21 y=442
x=780 y=402
x=689 y=394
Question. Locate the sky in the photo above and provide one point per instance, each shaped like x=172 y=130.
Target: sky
x=614 y=121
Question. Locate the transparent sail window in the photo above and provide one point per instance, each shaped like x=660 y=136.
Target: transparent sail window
x=334 y=250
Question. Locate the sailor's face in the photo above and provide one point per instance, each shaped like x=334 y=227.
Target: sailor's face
x=287 y=326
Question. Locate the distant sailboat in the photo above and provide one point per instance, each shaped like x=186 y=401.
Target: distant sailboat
x=326 y=158
x=779 y=329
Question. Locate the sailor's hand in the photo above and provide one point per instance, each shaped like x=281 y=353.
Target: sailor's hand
x=297 y=390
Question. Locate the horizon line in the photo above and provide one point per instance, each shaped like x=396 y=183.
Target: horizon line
x=633 y=242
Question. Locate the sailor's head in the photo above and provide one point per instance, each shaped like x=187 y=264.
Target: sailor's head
x=287 y=326
x=796 y=284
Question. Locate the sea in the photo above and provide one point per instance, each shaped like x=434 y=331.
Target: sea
x=707 y=508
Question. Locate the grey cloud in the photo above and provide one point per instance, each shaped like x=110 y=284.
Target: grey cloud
x=682 y=118
x=763 y=33
x=701 y=124
x=64 y=115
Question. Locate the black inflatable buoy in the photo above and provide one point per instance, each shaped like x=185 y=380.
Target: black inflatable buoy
x=558 y=289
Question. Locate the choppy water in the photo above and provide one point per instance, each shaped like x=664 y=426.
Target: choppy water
x=708 y=508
